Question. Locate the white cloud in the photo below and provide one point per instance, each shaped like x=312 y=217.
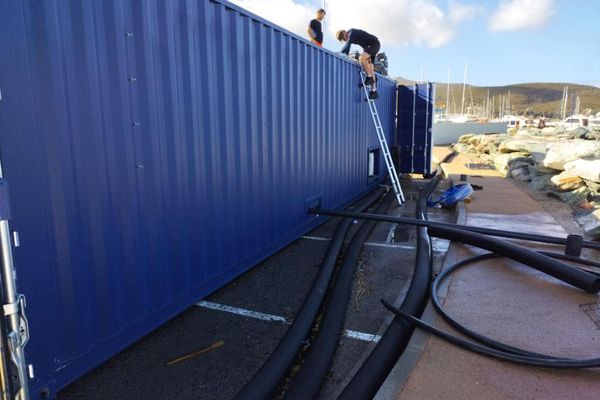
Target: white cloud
x=394 y=22
x=516 y=15
x=289 y=14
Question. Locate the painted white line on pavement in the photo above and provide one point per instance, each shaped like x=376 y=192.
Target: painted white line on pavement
x=374 y=244
x=367 y=337
x=321 y=239
x=241 y=311
x=390 y=245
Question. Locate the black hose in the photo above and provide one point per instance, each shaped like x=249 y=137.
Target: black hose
x=497 y=354
x=566 y=273
x=486 y=231
x=491 y=348
x=377 y=366
x=307 y=383
x=267 y=378
x=437 y=304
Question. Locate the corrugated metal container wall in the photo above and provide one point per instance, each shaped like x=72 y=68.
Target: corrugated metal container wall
x=156 y=150
x=415 y=122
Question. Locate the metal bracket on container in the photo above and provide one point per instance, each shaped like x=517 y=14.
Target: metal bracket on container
x=23 y=321
x=18 y=307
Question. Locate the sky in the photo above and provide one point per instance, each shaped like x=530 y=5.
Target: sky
x=501 y=42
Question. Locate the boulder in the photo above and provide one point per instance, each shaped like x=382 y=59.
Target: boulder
x=465 y=138
x=575 y=197
x=538 y=160
x=591 y=223
x=534 y=131
x=539 y=182
x=586 y=169
x=594 y=134
x=594 y=186
x=578 y=133
x=519 y=162
x=521 y=174
x=552 y=131
x=523 y=145
x=501 y=161
x=560 y=153
x=461 y=148
x=566 y=181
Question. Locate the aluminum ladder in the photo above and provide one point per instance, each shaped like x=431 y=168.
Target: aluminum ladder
x=383 y=142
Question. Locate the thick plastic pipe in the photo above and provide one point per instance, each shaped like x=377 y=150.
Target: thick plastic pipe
x=307 y=383
x=265 y=381
x=373 y=372
x=566 y=273
x=486 y=231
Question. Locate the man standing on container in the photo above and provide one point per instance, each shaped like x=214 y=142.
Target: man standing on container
x=370 y=45
x=315 y=28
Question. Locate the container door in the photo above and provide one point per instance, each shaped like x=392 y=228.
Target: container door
x=415 y=107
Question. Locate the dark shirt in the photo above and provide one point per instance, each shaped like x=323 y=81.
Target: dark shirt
x=316 y=26
x=359 y=37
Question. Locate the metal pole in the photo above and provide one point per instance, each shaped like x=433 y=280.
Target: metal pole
x=13 y=307
x=6 y=386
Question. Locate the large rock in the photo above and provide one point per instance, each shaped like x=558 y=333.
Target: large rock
x=461 y=148
x=539 y=182
x=575 y=197
x=465 y=138
x=591 y=223
x=523 y=145
x=521 y=174
x=579 y=133
x=538 y=159
x=560 y=153
x=487 y=144
x=586 y=169
x=501 y=161
x=594 y=186
x=566 y=181
x=594 y=134
x=552 y=131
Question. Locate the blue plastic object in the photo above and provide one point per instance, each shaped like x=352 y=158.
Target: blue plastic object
x=453 y=195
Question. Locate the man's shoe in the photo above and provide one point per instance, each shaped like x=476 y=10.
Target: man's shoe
x=373 y=95
x=369 y=81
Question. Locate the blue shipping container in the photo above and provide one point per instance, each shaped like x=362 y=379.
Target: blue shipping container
x=156 y=149
x=415 y=122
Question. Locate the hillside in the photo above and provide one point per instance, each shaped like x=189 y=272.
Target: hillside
x=538 y=98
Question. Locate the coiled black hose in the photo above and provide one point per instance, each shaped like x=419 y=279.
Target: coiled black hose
x=490 y=348
x=307 y=383
x=267 y=378
x=377 y=366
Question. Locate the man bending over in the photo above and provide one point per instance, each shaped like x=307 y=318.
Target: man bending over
x=370 y=45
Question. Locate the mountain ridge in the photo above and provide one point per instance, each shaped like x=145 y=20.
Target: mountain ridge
x=536 y=98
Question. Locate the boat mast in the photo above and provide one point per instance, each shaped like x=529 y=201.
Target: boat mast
x=448 y=96
x=462 y=107
x=487 y=105
x=565 y=99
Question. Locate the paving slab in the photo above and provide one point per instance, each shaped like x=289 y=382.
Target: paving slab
x=460 y=165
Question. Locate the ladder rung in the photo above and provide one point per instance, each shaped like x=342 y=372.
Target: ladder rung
x=383 y=143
